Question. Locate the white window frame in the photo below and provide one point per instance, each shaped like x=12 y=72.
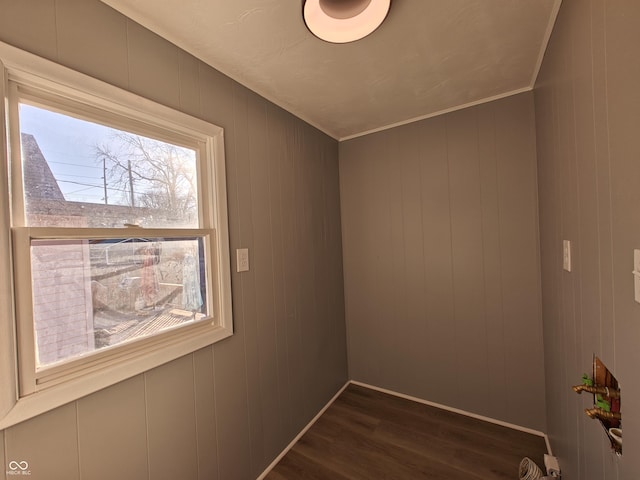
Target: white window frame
x=23 y=392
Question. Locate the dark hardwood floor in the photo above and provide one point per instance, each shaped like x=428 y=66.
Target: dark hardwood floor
x=366 y=434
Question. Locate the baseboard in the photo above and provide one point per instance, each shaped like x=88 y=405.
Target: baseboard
x=460 y=412
x=302 y=432
x=548 y=443
x=406 y=397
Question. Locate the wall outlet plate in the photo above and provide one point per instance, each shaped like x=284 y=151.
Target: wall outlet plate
x=552 y=466
x=242 y=260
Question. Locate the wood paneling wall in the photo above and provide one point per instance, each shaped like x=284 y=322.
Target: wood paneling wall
x=440 y=239
x=223 y=412
x=588 y=117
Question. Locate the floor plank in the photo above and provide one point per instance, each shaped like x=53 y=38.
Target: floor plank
x=368 y=434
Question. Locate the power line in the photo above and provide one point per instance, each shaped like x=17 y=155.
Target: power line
x=93 y=186
x=73 y=164
x=80 y=190
x=80 y=183
x=75 y=176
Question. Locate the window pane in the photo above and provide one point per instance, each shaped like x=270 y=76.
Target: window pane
x=91 y=294
x=82 y=174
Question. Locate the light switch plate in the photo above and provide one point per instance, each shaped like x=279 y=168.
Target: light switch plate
x=636 y=274
x=566 y=255
x=242 y=260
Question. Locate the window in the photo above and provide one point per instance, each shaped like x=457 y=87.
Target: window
x=117 y=223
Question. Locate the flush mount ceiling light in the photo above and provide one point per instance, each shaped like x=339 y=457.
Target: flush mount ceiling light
x=342 y=21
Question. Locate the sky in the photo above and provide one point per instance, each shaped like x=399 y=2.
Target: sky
x=69 y=146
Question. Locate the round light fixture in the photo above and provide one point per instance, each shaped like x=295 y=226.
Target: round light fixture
x=342 y=21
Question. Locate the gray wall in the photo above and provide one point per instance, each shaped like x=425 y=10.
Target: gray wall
x=588 y=124
x=441 y=261
x=226 y=411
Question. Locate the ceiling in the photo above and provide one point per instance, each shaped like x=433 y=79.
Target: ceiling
x=429 y=56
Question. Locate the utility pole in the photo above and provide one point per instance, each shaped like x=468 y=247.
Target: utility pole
x=131 y=185
x=104 y=177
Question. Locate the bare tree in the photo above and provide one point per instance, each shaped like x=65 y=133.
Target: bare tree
x=150 y=173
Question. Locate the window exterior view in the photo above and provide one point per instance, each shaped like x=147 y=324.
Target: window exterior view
x=92 y=294
x=89 y=294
